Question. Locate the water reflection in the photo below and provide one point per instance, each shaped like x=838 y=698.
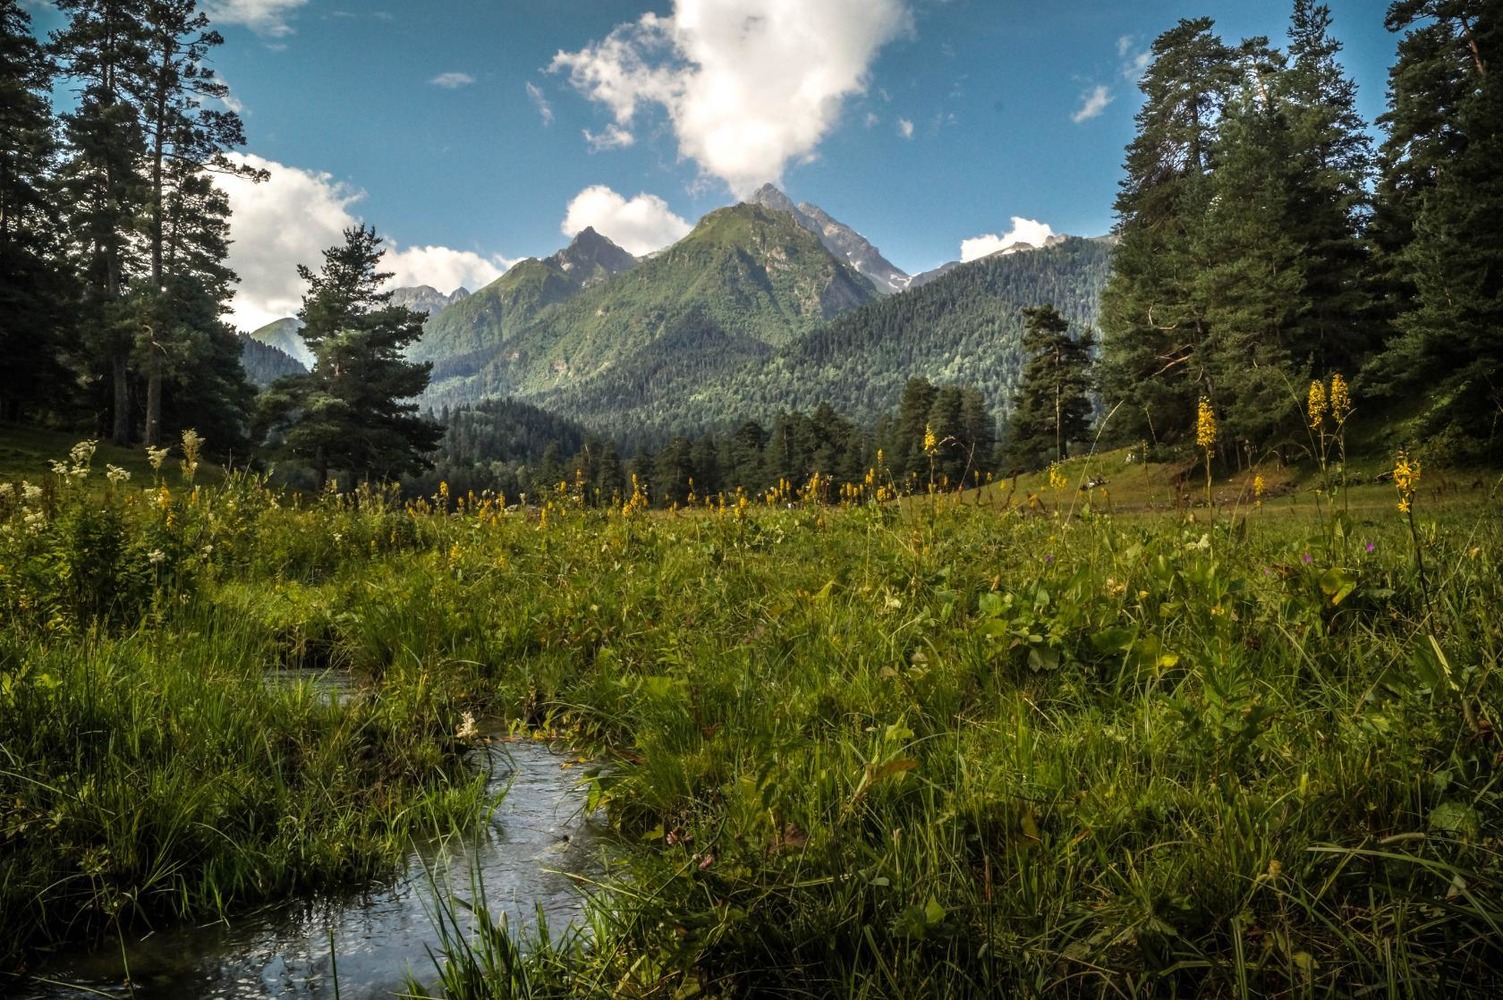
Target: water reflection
x=530 y=854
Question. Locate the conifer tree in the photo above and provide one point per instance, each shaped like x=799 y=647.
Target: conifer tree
x=907 y=457
x=185 y=139
x=1052 y=406
x=1150 y=315
x=1443 y=194
x=1330 y=163
x=1250 y=286
x=102 y=49
x=978 y=430
x=350 y=412
x=31 y=285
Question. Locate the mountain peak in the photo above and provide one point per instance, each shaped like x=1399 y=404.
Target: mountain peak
x=591 y=252
x=840 y=239
x=771 y=196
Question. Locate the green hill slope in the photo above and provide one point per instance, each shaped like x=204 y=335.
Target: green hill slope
x=745 y=282
x=461 y=339
x=966 y=327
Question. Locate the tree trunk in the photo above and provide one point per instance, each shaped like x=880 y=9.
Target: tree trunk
x=121 y=431
x=154 y=403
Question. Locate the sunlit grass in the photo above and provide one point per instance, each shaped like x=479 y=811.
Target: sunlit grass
x=1031 y=739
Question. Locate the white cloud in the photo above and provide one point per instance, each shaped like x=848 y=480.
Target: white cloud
x=748 y=85
x=265 y=17
x=905 y=128
x=1093 y=102
x=292 y=218
x=452 y=81
x=614 y=137
x=1022 y=231
x=442 y=267
x=540 y=101
x=1134 y=63
x=641 y=225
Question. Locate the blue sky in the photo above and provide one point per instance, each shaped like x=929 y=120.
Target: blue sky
x=472 y=134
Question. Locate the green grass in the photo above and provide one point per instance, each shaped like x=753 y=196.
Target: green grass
x=958 y=745
x=26 y=453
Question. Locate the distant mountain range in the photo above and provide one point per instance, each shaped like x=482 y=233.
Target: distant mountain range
x=764 y=306
x=427 y=299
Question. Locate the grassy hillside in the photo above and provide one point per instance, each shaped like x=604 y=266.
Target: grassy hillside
x=966 y=327
x=745 y=275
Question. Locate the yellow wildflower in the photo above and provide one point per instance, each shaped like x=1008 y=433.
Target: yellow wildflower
x=1406 y=476
x=1340 y=398
x=1316 y=405
x=1205 y=424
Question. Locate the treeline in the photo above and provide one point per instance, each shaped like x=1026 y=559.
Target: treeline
x=1264 y=243
x=942 y=436
x=113 y=236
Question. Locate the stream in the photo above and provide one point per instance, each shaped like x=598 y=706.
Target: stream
x=526 y=857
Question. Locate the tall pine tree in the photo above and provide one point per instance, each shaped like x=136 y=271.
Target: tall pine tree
x=1442 y=195
x=1052 y=407
x=31 y=285
x=352 y=411
x=1151 y=321
x=102 y=50
x=185 y=139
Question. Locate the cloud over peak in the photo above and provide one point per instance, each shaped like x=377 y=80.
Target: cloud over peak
x=748 y=85
x=1023 y=231
x=638 y=226
x=292 y=218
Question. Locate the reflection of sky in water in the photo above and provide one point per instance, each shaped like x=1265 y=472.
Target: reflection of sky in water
x=520 y=860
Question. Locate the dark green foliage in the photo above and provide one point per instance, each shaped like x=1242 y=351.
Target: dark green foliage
x=32 y=292
x=905 y=449
x=349 y=413
x=515 y=448
x=1052 y=406
x=1442 y=195
x=1150 y=319
x=1241 y=269
x=147 y=229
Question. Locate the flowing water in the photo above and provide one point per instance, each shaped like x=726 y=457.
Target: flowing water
x=532 y=853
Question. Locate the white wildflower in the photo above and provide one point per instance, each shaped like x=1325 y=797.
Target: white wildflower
x=156 y=557
x=115 y=474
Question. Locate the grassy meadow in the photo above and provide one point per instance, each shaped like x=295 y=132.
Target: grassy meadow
x=1031 y=740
